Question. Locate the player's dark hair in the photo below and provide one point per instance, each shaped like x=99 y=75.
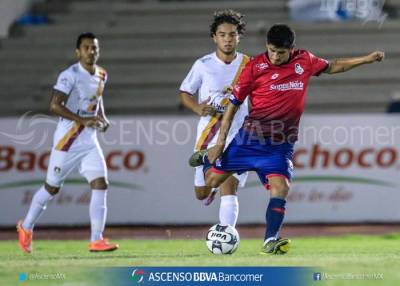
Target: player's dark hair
x=228 y=16
x=82 y=36
x=281 y=36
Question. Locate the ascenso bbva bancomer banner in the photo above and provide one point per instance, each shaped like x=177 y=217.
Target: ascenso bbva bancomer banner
x=345 y=166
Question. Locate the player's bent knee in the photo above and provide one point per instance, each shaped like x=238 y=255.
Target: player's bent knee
x=99 y=184
x=213 y=182
x=279 y=190
x=202 y=192
x=51 y=190
x=279 y=186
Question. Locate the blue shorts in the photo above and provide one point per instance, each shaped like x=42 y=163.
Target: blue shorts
x=247 y=152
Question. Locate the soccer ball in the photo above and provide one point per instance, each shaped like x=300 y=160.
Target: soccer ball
x=222 y=239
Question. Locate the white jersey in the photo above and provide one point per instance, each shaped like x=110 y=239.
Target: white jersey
x=211 y=78
x=84 y=92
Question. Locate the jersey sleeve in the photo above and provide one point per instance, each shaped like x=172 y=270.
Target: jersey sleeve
x=192 y=82
x=318 y=65
x=65 y=82
x=103 y=74
x=244 y=85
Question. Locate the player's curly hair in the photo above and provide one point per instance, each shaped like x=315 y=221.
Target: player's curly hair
x=228 y=16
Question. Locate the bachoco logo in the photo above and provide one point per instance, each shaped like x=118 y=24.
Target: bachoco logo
x=318 y=157
x=32 y=160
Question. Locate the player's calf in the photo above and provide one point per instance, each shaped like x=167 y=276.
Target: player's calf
x=202 y=192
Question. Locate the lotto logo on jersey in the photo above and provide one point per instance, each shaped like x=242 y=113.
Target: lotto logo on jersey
x=275 y=76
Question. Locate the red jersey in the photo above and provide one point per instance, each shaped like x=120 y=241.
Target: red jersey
x=276 y=93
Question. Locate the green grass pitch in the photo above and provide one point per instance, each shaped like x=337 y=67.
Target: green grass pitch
x=332 y=255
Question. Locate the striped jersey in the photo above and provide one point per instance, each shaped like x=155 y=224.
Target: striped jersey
x=84 y=92
x=212 y=79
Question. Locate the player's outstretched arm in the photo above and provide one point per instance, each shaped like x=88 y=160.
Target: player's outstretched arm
x=226 y=122
x=202 y=108
x=343 y=65
x=57 y=107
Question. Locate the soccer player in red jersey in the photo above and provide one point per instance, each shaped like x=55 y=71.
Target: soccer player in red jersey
x=275 y=83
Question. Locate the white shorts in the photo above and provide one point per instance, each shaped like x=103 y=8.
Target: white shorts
x=91 y=163
x=200 y=182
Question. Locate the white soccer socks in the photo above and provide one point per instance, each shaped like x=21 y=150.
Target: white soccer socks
x=229 y=210
x=38 y=205
x=98 y=213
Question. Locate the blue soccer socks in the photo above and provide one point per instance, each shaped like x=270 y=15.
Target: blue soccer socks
x=274 y=217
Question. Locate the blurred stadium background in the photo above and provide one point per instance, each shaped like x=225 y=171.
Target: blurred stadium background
x=147 y=48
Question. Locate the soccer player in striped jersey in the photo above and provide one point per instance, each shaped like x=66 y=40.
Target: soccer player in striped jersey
x=275 y=83
x=77 y=98
x=211 y=78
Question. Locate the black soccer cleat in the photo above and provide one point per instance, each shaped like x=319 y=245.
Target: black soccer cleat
x=197 y=158
x=277 y=246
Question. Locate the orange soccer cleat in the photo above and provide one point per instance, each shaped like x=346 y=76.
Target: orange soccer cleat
x=102 y=245
x=24 y=238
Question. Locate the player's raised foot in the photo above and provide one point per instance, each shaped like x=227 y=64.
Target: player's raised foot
x=197 y=158
x=24 y=238
x=211 y=196
x=277 y=246
x=102 y=245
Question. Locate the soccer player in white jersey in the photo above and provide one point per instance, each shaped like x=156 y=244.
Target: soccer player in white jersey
x=212 y=77
x=77 y=100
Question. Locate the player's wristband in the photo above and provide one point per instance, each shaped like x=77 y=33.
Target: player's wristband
x=234 y=101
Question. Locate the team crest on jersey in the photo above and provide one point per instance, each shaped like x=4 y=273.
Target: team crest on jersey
x=298 y=69
x=64 y=82
x=275 y=76
x=262 y=66
x=57 y=170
